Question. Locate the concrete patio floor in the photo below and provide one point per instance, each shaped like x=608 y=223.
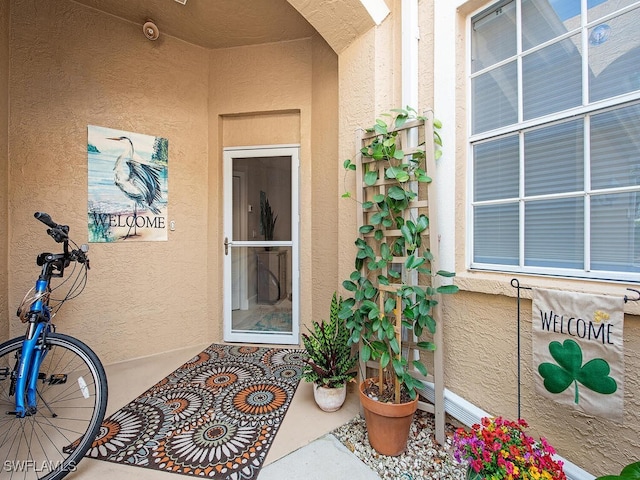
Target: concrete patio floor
x=301 y=446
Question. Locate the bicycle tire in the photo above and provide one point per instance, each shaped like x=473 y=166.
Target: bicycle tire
x=72 y=399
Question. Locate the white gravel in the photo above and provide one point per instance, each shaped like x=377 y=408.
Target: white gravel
x=424 y=458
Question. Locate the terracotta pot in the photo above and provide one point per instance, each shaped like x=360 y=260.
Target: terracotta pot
x=329 y=399
x=388 y=424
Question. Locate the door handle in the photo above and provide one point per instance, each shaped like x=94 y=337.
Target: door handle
x=226 y=245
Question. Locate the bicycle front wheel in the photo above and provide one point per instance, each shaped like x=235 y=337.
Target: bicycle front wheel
x=71 y=401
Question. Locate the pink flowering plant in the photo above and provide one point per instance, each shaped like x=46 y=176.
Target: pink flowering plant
x=499 y=449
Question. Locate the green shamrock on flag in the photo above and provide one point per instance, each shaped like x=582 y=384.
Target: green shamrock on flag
x=594 y=374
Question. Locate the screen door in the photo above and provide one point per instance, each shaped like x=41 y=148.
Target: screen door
x=260 y=245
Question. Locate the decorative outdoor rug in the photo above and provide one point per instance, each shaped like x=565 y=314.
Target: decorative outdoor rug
x=216 y=416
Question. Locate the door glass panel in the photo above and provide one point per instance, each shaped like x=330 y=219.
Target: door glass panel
x=268 y=186
x=261 y=248
x=267 y=305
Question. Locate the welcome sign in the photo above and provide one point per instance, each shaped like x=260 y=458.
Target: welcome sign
x=578 y=356
x=128 y=191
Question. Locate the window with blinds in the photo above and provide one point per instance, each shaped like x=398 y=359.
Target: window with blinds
x=555 y=138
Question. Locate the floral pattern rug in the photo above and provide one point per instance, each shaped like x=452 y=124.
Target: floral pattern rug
x=216 y=416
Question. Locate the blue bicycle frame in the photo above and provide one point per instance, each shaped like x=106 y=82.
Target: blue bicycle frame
x=32 y=354
x=53 y=387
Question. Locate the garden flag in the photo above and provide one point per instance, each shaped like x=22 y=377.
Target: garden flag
x=578 y=356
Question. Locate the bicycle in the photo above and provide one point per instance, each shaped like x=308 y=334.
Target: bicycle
x=53 y=388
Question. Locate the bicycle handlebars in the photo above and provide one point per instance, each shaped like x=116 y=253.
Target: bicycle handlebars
x=60 y=233
x=46 y=219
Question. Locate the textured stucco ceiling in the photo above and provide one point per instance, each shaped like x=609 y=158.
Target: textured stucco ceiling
x=214 y=23
x=232 y=23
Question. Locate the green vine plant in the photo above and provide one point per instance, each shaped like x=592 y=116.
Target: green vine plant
x=383 y=147
x=630 y=472
x=375 y=285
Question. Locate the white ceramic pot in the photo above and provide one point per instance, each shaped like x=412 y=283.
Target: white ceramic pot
x=329 y=399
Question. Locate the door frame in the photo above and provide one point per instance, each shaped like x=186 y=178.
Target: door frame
x=229 y=154
x=242 y=205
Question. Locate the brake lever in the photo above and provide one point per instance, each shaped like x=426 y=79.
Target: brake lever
x=59 y=234
x=81 y=257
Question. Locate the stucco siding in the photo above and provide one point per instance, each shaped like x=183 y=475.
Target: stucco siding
x=72 y=67
x=480 y=322
x=4 y=152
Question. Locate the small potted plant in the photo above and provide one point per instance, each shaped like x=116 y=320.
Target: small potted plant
x=267 y=218
x=500 y=449
x=330 y=362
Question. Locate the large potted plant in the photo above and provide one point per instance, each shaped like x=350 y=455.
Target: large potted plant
x=393 y=285
x=330 y=363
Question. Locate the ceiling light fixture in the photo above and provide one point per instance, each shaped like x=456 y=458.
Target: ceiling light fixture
x=183 y=2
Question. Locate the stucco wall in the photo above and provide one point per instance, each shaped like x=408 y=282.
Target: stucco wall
x=4 y=152
x=480 y=322
x=72 y=66
x=484 y=327
x=368 y=86
x=254 y=92
x=425 y=56
x=325 y=180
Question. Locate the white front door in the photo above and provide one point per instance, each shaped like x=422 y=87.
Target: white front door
x=261 y=245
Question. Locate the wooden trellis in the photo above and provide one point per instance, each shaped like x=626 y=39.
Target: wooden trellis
x=412 y=137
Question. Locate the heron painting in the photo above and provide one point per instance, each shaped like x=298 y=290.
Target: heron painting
x=127 y=186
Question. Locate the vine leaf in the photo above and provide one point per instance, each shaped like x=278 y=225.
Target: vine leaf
x=630 y=472
x=594 y=374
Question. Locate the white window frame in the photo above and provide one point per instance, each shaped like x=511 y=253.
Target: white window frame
x=520 y=128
